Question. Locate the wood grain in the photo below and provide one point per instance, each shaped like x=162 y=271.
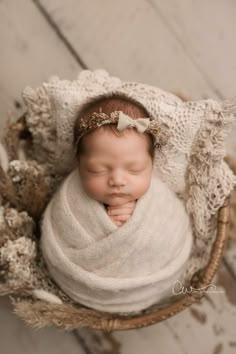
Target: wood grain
x=130 y=40
x=30 y=52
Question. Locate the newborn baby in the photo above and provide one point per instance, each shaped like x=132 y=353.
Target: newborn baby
x=114 y=236
x=119 y=175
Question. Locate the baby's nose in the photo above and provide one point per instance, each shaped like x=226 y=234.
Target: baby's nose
x=117 y=179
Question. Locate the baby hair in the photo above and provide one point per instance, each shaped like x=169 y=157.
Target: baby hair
x=109 y=104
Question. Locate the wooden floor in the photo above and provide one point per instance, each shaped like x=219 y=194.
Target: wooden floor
x=183 y=46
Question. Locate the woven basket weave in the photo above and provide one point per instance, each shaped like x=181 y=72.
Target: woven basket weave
x=67 y=316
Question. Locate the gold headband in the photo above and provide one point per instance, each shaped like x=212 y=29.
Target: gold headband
x=123 y=121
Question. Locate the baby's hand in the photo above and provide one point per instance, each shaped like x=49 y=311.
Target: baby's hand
x=120 y=214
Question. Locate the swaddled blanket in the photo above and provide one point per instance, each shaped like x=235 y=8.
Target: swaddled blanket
x=111 y=268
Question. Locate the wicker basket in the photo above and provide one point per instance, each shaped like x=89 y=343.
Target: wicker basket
x=70 y=316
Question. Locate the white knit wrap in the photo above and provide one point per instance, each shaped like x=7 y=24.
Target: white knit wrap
x=111 y=268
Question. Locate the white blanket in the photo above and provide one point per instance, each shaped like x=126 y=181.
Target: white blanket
x=111 y=268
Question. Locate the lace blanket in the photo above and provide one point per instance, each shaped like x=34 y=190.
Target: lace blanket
x=111 y=268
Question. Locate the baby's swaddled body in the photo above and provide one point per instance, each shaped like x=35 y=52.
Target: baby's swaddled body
x=112 y=268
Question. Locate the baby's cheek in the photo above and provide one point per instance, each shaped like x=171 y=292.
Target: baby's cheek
x=93 y=187
x=141 y=187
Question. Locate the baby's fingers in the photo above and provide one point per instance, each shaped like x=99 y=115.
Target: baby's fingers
x=130 y=204
x=118 y=223
x=121 y=217
x=121 y=211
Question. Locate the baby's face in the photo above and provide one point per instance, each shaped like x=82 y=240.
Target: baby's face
x=115 y=169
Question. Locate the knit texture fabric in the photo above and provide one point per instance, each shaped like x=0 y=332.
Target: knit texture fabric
x=111 y=268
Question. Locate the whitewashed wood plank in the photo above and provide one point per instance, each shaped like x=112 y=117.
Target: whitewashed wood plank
x=16 y=338
x=30 y=52
x=207 y=32
x=206 y=327
x=130 y=40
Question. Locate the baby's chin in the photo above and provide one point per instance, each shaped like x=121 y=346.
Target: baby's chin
x=118 y=200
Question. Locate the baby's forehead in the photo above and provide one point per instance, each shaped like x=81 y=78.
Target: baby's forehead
x=104 y=142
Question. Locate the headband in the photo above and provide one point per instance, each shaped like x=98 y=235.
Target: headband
x=123 y=121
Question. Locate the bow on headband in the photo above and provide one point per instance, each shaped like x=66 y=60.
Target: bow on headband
x=141 y=124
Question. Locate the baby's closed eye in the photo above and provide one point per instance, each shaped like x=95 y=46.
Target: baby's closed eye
x=136 y=171
x=97 y=171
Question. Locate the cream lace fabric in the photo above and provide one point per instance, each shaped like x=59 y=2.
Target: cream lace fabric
x=191 y=163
